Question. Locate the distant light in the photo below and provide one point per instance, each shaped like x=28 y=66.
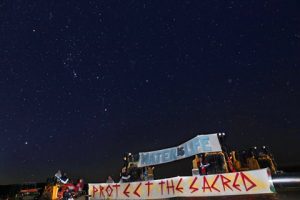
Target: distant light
x=263 y=147
x=26 y=142
x=286 y=180
x=254 y=147
x=223 y=134
x=74 y=74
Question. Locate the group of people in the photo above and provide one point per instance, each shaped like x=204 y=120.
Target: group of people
x=130 y=172
x=232 y=161
x=71 y=187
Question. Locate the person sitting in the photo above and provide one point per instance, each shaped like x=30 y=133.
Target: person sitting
x=252 y=162
x=150 y=173
x=67 y=194
x=195 y=164
x=229 y=160
x=124 y=175
x=144 y=175
x=203 y=166
x=134 y=172
x=79 y=186
x=109 y=180
x=125 y=160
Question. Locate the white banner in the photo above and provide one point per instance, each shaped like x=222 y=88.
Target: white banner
x=199 y=144
x=238 y=183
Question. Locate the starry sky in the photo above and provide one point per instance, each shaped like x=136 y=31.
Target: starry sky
x=82 y=82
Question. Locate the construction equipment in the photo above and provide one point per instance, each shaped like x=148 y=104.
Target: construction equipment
x=225 y=161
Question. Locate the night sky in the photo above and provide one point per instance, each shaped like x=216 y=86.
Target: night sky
x=82 y=82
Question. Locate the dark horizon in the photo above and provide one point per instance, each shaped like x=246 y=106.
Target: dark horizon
x=83 y=82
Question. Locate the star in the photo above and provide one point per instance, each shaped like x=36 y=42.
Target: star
x=75 y=75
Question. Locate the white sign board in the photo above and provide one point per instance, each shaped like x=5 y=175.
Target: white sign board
x=237 y=183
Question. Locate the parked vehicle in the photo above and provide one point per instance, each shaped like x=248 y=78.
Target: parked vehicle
x=29 y=191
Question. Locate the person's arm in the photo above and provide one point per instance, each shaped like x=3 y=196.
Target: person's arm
x=57 y=176
x=126 y=177
x=206 y=165
x=64 y=182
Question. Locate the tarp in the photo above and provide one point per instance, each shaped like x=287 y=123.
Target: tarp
x=238 y=183
x=199 y=144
